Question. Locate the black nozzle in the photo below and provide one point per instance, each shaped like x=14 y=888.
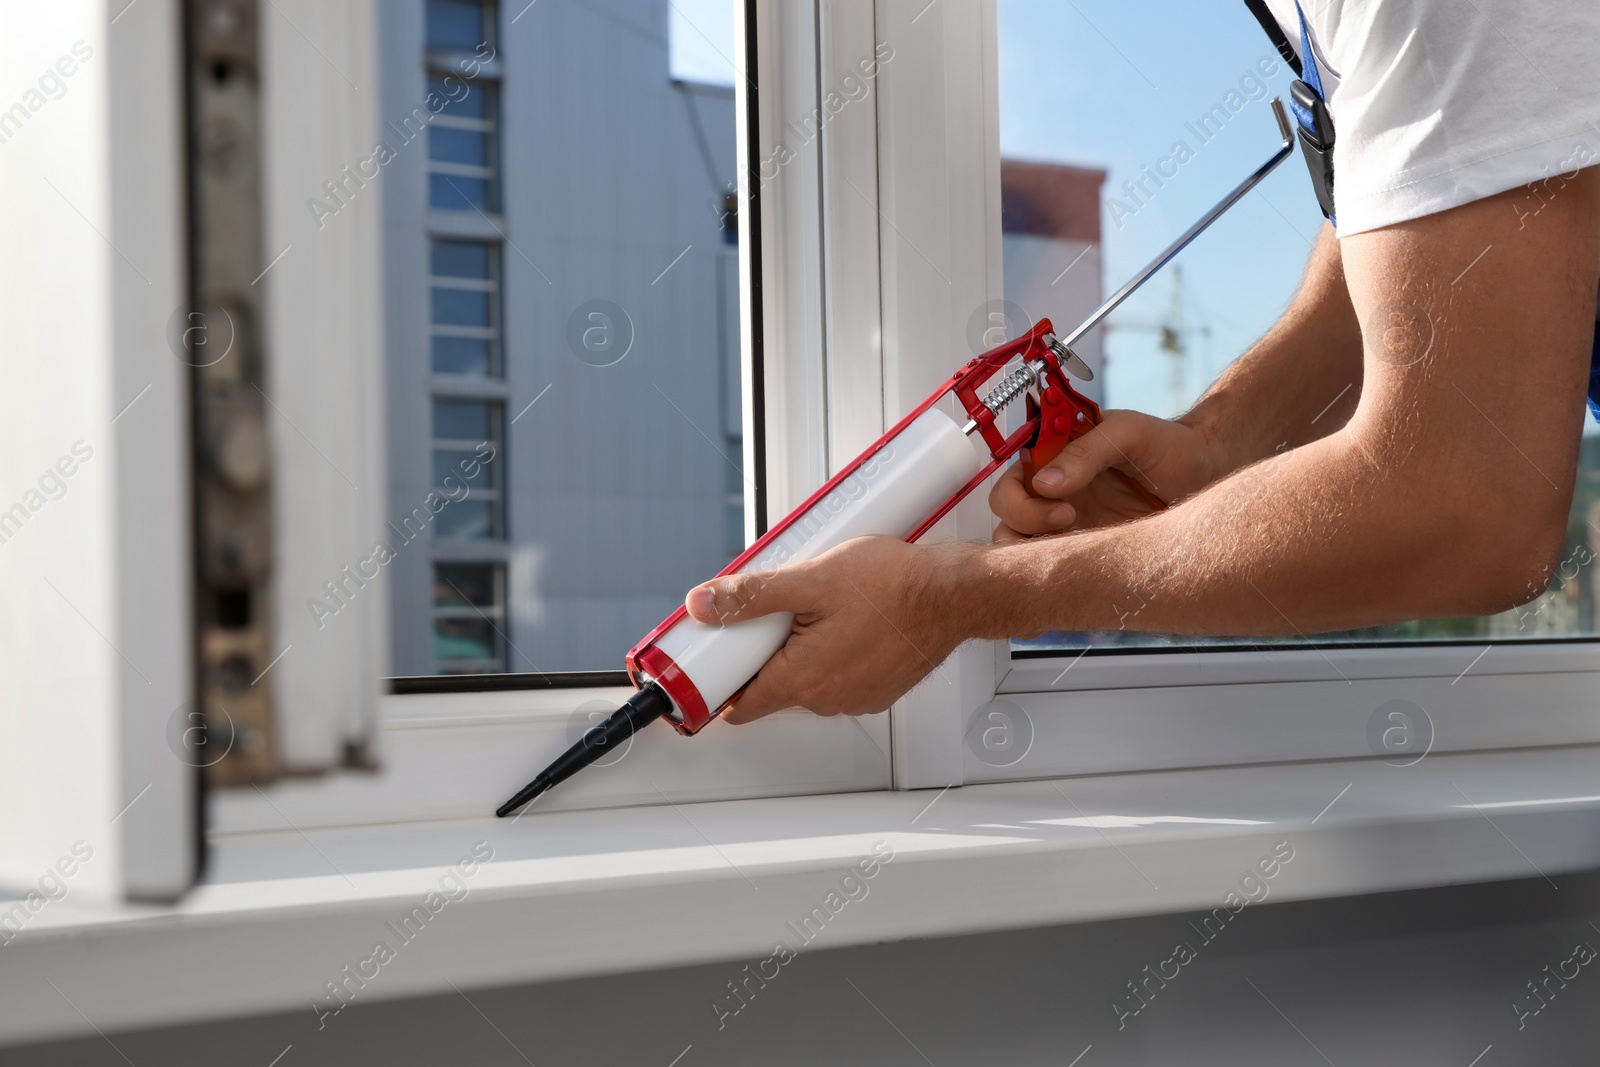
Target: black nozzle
x=641 y=709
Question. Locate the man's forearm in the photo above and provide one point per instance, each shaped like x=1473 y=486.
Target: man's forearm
x=1298 y=383
x=1282 y=547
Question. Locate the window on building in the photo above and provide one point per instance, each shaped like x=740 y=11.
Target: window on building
x=463 y=145
x=468 y=459
x=462 y=156
x=468 y=617
x=464 y=359
x=465 y=308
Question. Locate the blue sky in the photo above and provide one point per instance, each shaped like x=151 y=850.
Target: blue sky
x=702 y=38
x=1111 y=84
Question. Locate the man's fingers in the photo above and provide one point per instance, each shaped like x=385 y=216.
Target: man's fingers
x=1076 y=465
x=745 y=596
x=760 y=698
x=746 y=708
x=1026 y=513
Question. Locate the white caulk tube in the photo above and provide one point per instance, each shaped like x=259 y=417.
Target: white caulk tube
x=893 y=492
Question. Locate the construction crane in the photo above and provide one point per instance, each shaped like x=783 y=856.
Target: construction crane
x=1173 y=332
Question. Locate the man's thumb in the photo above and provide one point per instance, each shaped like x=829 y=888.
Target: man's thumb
x=1075 y=466
x=739 y=596
x=1112 y=443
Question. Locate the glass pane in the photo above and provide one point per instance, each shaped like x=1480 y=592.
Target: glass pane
x=463 y=639
x=464 y=468
x=460 y=307
x=452 y=192
x=703 y=41
x=614 y=300
x=450 y=145
x=460 y=259
x=462 y=420
x=734 y=531
x=461 y=355
x=455 y=25
x=1101 y=169
x=467 y=99
x=467 y=519
x=458 y=585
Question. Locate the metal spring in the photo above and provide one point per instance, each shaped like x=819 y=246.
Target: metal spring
x=1010 y=388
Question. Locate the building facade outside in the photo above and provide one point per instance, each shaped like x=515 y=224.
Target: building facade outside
x=564 y=373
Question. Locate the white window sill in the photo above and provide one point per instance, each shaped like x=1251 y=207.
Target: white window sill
x=590 y=892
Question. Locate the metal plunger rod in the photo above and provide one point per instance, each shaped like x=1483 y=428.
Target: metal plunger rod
x=641 y=709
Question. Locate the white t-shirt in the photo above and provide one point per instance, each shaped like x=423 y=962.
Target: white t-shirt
x=1437 y=103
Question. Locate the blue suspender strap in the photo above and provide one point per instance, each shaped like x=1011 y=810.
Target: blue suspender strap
x=1308 y=74
x=1308 y=60
x=1309 y=103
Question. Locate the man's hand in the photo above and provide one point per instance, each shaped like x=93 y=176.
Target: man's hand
x=868 y=626
x=1076 y=489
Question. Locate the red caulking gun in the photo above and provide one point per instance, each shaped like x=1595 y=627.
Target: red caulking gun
x=688 y=671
